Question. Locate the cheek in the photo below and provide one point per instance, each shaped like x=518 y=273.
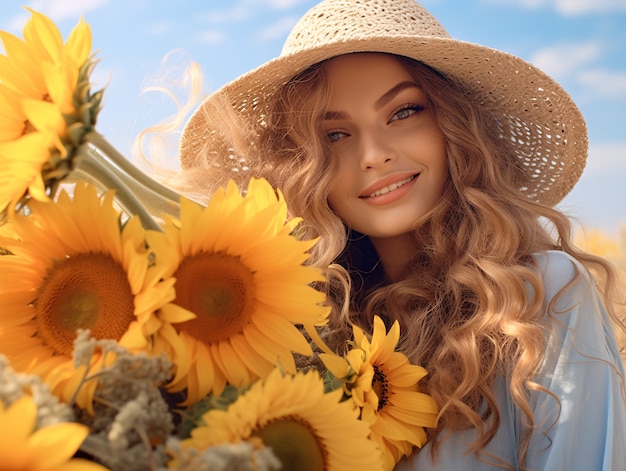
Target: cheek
x=333 y=201
x=338 y=201
x=441 y=165
x=439 y=162
x=338 y=187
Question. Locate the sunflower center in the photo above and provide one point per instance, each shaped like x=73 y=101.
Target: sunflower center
x=295 y=444
x=86 y=291
x=219 y=289
x=380 y=387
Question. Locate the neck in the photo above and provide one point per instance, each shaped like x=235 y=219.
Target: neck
x=394 y=253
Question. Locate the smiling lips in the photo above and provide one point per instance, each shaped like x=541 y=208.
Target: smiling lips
x=385 y=194
x=391 y=187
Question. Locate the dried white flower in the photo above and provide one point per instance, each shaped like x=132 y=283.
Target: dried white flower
x=242 y=456
x=132 y=419
x=15 y=385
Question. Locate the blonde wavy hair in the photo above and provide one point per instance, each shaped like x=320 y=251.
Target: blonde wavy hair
x=465 y=311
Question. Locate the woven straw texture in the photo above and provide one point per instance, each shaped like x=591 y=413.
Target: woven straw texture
x=539 y=119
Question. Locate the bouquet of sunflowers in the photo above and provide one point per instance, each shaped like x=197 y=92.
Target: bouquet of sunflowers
x=140 y=330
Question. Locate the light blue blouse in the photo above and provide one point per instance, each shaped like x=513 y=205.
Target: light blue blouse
x=582 y=368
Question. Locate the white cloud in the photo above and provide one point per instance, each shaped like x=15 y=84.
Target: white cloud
x=16 y=24
x=159 y=27
x=529 y=4
x=211 y=36
x=236 y=13
x=278 y=29
x=56 y=11
x=279 y=4
x=583 y=7
x=245 y=9
x=607 y=158
x=568 y=7
x=563 y=59
x=606 y=83
x=579 y=63
x=61 y=9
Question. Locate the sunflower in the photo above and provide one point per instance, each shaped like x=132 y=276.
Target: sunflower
x=384 y=387
x=48 y=448
x=73 y=268
x=307 y=429
x=240 y=270
x=7 y=231
x=45 y=106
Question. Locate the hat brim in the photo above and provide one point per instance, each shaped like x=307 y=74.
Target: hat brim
x=543 y=124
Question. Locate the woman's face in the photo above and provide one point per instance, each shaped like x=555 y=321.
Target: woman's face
x=392 y=154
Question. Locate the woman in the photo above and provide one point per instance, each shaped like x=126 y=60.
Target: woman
x=430 y=168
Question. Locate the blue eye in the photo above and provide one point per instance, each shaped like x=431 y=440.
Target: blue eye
x=335 y=135
x=405 y=112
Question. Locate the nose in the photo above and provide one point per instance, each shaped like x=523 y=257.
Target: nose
x=376 y=151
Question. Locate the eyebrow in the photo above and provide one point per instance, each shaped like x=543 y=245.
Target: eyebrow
x=387 y=97
x=382 y=101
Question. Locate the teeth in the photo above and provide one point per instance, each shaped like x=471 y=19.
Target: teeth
x=391 y=187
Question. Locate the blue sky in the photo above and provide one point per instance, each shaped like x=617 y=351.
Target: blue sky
x=581 y=43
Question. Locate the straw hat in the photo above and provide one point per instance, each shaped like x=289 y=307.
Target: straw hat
x=539 y=119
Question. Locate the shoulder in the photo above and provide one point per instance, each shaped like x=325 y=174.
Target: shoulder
x=556 y=264
x=573 y=308
x=582 y=373
x=579 y=324
x=560 y=270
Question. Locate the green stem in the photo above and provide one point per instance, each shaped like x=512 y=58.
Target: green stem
x=137 y=193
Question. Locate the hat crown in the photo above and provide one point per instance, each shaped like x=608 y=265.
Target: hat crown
x=333 y=21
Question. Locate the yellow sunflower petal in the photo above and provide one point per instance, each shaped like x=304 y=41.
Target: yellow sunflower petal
x=79 y=42
x=17 y=72
x=168 y=342
x=190 y=214
x=267 y=349
x=174 y=314
x=163 y=248
x=11 y=113
x=384 y=387
x=237 y=373
x=44 y=116
x=336 y=364
x=58 y=442
x=300 y=422
x=413 y=402
x=72 y=275
x=51 y=447
x=41 y=32
x=404 y=374
x=18 y=422
x=249 y=356
x=291 y=337
x=204 y=374
x=134 y=338
x=78 y=464
x=246 y=302
x=39 y=78
x=382 y=341
x=60 y=81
